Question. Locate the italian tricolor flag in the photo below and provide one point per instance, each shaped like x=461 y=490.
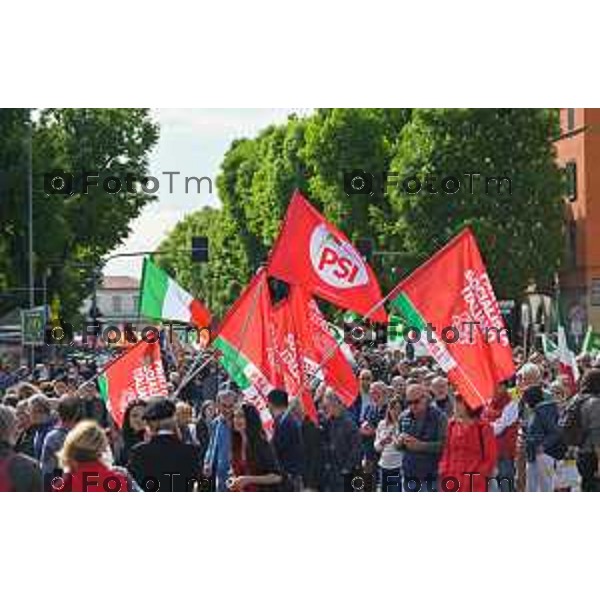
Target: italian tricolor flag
x=163 y=299
x=566 y=359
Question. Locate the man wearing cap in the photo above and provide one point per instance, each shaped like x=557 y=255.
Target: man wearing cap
x=164 y=463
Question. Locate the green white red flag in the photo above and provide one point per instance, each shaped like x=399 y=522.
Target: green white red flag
x=567 y=363
x=591 y=342
x=311 y=252
x=451 y=296
x=245 y=344
x=136 y=374
x=549 y=348
x=162 y=298
x=339 y=336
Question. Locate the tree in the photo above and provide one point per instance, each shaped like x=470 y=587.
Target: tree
x=520 y=233
x=73 y=232
x=341 y=140
x=220 y=281
x=14 y=124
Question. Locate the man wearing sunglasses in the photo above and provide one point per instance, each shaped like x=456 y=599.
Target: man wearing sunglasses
x=422 y=436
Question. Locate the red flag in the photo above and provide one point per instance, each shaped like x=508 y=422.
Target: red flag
x=136 y=374
x=306 y=351
x=245 y=344
x=288 y=359
x=452 y=295
x=313 y=253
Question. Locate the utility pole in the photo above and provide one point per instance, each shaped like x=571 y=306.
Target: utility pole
x=30 y=233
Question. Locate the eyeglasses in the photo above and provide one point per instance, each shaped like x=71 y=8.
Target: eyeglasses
x=414 y=402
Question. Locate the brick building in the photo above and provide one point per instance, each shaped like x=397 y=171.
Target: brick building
x=578 y=151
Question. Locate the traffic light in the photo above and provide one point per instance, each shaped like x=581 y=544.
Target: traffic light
x=199 y=249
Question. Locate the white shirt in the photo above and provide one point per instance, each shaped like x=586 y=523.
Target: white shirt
x=391 y=457
x=509 y=416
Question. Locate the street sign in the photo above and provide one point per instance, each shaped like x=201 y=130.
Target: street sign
x=33 y=325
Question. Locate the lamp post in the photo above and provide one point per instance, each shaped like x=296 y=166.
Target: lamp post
x=29 y=145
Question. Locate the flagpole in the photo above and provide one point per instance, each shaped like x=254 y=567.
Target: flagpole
x=248 y=317
x=192 y=373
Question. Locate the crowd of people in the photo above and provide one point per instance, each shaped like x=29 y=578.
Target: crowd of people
x=407 y=430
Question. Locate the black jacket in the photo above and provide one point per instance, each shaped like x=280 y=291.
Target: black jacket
x=18 y=473
x=166 y=460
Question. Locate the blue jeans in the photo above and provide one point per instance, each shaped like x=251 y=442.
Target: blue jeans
x=541 y=474
x=390 y=480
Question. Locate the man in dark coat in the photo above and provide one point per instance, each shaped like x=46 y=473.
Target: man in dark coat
x=287 y=440
x=342 y=443
x=164 y=463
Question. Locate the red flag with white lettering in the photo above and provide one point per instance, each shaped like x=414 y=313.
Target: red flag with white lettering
x=450 y=300
x=313 y=253
x=307 y=352
x=137 y=374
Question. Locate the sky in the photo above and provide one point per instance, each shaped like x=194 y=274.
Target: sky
x=192 y=141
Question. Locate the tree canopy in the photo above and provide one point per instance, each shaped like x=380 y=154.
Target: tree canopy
x=71 y=232
x=520 y=233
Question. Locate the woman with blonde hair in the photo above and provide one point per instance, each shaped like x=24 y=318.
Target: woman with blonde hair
x=81 y=459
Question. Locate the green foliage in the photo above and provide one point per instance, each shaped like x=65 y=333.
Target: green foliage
x=71 y=233
x=520 y=234
x=219 y=282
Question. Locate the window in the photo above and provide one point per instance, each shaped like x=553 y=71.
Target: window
x=595 y=292
x=570 y=119
x=572 y=245
x=571 y=180
x=117 y=303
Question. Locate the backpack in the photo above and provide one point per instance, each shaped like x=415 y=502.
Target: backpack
x=560 y=447
x=570 y=424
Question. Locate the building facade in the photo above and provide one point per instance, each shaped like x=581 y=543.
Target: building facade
x=578 y=152
x=117 y=300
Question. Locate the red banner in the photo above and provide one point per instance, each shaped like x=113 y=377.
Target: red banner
x=451 y=296
x=313 y=253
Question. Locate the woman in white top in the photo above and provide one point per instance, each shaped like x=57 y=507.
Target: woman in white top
x=390 y=462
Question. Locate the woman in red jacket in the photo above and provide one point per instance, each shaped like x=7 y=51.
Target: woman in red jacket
x=469 y=455
x=82 y=460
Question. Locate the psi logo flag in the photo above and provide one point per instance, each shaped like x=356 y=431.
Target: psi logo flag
x=137 y=374
x=313 y=253
x=451 y=296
